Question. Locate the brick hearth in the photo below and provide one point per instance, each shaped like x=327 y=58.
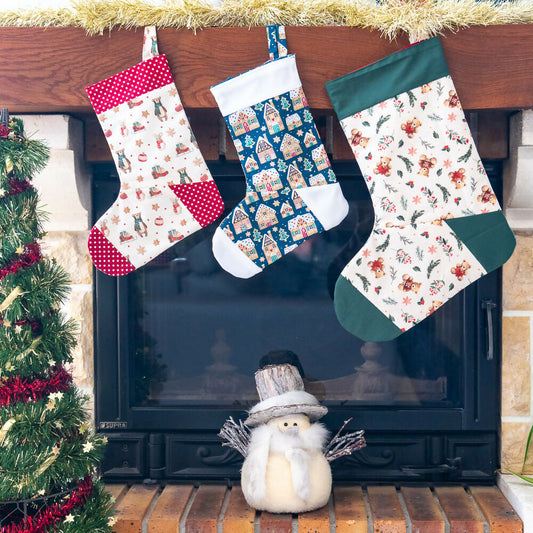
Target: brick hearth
x=378 y=509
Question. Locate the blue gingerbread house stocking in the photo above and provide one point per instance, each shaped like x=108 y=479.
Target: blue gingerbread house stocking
x=291 y=191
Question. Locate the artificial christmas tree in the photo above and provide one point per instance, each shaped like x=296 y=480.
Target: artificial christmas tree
x=48 y=453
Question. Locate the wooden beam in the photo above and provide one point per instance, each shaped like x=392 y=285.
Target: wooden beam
x=46 y=69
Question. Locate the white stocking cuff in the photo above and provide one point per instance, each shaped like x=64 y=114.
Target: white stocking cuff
x=257 y=85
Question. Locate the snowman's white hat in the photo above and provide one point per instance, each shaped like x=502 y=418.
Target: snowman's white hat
x=281 y=391
x=288 y=403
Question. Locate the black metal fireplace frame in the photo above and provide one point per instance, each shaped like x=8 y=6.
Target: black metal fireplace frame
x=404 y=443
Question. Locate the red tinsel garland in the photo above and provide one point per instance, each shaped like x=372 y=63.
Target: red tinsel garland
x=36 y=325
x=18 y=186
x=16 y=389
x=50 y=516
x=30 y=255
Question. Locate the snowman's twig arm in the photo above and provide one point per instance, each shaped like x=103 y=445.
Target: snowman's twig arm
x=331 y=442
x=236 y=435
x=340 y=446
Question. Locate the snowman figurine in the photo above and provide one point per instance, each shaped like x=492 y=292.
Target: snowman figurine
x=286 y=467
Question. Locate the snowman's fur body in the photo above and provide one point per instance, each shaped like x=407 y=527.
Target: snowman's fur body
x=286 y=471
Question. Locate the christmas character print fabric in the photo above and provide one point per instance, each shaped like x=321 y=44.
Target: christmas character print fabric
x=438 y=225
x=166 y=190
x=291 y=191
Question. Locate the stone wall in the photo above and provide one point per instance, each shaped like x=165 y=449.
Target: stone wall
x=64 y=187
x=517 y=370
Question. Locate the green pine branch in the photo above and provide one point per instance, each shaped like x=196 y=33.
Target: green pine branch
x=42 y=421
x=381 y=121
x=20 y=157
x=466 y=156
x=43 y=287
x=18 y=223
x=48 y=445
x=384 y=245
x=408 y=163
x=432 y=265
x=415 y=216
x=444 y=191
x=24 y=353
x=364 y=281
x=30 y=471
x=93 y=517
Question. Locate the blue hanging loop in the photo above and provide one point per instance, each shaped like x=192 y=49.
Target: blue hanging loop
x=277 y=42
x=4 y=116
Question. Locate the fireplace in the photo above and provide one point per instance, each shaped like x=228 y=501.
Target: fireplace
x=482 y=60
x=178 y=341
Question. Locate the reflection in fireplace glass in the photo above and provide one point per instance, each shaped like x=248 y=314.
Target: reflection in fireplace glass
x=200 y=332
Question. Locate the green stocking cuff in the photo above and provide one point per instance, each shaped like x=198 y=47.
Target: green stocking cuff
x=404 y=70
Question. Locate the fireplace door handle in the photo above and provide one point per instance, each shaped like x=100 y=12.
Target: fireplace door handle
x=489 y=305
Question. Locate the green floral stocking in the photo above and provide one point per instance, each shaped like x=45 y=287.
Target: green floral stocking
x=438 y=225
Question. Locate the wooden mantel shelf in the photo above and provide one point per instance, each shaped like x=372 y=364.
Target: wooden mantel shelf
x=46 y=70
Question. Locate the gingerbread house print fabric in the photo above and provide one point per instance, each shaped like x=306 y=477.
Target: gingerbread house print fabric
x=280 y=150
x=275 y=136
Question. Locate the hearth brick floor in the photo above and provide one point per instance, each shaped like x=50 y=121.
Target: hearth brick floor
x=352 y=509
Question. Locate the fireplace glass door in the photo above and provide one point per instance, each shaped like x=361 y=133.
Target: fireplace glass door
x=179 y=340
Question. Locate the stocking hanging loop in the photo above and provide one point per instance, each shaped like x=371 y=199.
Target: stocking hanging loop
x=150 y=43
x=277 y=42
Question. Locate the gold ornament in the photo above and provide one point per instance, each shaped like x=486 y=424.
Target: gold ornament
x=9 y=165
x=5 y=428
x=13 y=295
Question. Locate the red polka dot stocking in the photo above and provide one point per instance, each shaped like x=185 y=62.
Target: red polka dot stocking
x=166 y=190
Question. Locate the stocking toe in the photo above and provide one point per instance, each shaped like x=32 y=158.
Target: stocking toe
x=106 y=257
x=231 y=258
x=360 y=317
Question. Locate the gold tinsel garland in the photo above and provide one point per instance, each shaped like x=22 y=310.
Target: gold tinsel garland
x=416 y=17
